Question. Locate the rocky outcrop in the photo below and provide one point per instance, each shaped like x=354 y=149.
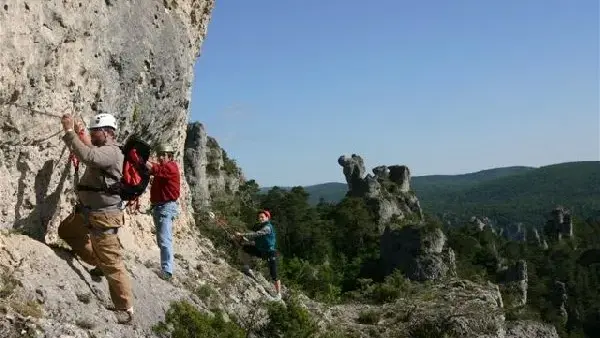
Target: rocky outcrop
x=559 y=299
x=527 y=328
x=421 y=253
x=515 y=283
x=559 y=224
x=481 y=223
x=387 y=191
x=456 y=308
x=535 y=237
x=45 y=292
x=515 y=231
x=208 y=170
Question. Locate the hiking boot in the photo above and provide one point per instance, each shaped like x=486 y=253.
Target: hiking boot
x=125 y=316
x=96 y=272
x=165 y=276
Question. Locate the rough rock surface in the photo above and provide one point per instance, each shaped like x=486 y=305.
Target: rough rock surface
x=208 y=170
x=456 y=308
x=133 y=59
x=387 y=191
x=515 y=282
x=522 y=329
x=419 y=252
x=61 y=298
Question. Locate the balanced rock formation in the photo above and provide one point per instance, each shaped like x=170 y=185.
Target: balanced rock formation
x=387 y=191
x=208 y=170
x=420 y=252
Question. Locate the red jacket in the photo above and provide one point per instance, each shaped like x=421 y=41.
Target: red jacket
x=166 y=184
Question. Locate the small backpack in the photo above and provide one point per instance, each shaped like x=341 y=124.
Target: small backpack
x=136 y=175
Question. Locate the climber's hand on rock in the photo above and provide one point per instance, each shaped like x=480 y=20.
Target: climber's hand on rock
x=79 y=126
x=67 y=122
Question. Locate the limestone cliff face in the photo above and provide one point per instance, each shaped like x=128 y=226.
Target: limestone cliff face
x=133 y=59
x=208 y=170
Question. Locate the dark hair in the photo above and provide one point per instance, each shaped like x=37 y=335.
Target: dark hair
x=110 y=130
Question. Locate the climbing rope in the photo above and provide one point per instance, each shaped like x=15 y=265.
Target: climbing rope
x=31 y=110
x=24 y=142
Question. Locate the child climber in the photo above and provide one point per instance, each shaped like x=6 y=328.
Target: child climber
x=261 y=243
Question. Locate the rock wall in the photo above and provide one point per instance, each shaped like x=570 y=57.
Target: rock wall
x=133 y=59
x=208 y=170
x=515 y=283
x=419 y=252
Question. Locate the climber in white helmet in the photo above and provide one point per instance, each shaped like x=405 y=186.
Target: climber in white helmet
x=91 y=230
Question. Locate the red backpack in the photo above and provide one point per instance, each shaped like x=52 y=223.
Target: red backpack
x=136 y=175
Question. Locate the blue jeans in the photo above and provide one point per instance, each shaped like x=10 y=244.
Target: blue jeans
x=163 y=215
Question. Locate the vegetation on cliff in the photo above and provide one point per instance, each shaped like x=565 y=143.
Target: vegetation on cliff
x=331 y=253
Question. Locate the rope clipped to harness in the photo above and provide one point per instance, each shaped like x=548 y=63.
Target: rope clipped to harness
x=72 y=156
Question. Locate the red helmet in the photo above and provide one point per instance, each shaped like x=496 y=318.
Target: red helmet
x=266 y=212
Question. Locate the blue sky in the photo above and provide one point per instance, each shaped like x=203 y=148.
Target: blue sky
x=444 y=87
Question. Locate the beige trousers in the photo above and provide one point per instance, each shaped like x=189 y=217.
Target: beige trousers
x=100 y=249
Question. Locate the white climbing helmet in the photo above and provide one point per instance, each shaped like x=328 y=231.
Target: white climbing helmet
x=103 y=120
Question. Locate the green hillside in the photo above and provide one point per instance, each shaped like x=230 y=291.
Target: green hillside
x=526 y=196
x=507 y=194
x=425 y=186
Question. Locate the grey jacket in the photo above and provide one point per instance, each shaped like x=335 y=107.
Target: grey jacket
x=108 y=158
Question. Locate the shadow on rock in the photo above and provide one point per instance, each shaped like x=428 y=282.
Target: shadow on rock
x=69 y=257
x=35 y=225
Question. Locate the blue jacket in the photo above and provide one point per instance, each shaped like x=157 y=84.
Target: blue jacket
x=264 y=237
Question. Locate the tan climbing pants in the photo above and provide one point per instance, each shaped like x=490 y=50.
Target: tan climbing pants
x=100 y=249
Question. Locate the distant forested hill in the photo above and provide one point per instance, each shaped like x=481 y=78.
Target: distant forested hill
x=506 y=194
